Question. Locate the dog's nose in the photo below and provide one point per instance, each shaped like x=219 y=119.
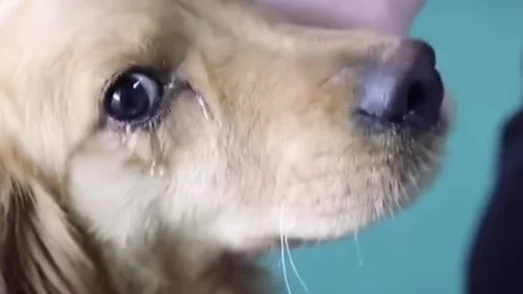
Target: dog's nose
x=404 y=89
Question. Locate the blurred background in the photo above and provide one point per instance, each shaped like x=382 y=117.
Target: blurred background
x=424 y=249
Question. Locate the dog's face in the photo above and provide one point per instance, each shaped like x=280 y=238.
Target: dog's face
x=200 y=120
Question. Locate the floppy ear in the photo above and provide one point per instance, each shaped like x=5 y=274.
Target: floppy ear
x=40 y=252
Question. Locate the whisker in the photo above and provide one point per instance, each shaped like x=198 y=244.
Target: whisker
x=282 y=252
x=294 y=268
x=358 y=251
x=284 y=265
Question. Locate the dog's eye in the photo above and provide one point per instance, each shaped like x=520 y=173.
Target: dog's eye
x=134 y=96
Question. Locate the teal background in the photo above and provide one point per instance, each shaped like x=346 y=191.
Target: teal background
x=422 y=250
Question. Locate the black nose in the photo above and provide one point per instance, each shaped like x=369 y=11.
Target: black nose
x=403 y=89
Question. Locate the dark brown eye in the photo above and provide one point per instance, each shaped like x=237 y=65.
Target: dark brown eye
x=134 y=96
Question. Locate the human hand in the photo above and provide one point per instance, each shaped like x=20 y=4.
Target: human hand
x=387 y=16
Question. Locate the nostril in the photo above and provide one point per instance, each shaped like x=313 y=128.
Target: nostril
x=409 y=100
x=415 y=96
x=423 y=98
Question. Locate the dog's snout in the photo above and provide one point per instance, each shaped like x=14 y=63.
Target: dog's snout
x=404 y=89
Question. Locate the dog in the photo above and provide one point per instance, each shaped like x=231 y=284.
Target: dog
x=163 y=146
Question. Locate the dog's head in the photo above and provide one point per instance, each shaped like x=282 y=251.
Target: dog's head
x=203 y=121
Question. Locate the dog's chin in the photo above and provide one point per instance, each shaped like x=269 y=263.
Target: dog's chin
x=277 y=244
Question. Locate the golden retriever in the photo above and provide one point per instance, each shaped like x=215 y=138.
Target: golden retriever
x=162 y=146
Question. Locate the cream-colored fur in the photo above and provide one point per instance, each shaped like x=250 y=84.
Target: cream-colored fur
x=263 y=146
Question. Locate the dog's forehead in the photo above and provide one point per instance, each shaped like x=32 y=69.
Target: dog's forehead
x=40 y=32
x=64 y=15
x=54 y=24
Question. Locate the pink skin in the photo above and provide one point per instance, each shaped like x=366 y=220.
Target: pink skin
x=387 y=16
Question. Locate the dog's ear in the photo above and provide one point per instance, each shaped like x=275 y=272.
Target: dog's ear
x=39 y=249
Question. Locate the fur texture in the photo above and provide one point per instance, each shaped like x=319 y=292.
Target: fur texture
x=256 y=141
